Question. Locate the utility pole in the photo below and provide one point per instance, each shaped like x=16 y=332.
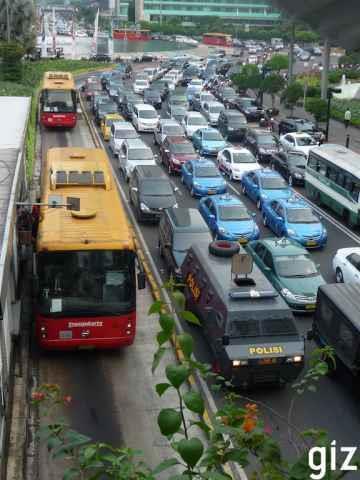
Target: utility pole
x=325 y=70
x=291 y=54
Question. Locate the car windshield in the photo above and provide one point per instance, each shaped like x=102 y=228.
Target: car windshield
x=182 y=148
x=183 y=241
x=178 y=110
x=108 y=108
x=128 y=133
x=267 y=140
x=248 y=103
x=295 y=266
x=141 y=82
x=196 y=121
x=216 y=108
x=86 y=283
x=207 y=171
x=305 y=141
x=157 y=188
x=213 y=136
x=172 y=130
x=152 y=93
x=196 y=83
x=140 y=154
x=236 y=121
x=233 y=212
x=243 y=157
x=178 y=100
x=296 y=160
x=273 y=183
x=147 y=114
x=268 y=327
x=301 y=215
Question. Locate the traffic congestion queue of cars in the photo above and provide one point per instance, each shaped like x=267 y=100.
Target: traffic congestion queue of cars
x=197 y=146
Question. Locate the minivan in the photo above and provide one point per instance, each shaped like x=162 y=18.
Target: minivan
x=144 y=117
x=119 y=132
x=150 y=192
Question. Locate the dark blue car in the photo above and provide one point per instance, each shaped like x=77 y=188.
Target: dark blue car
x=202 y=178
x=295 y=219
x=264 y=185
x=228 y=218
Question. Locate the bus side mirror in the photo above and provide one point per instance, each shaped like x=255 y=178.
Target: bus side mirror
x=225 y=340
x=141 y=280
x=310 y=335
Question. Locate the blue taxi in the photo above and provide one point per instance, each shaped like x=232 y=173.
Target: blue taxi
x=202 y=178
x=264 y=185
x=295 y=219
x=228 y=218
x=208 y=141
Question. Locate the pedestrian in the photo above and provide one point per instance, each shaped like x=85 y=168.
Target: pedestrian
x=347 y=117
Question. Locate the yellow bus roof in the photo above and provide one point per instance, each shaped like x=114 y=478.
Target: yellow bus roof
x=81 y=175
x=216 y=35
x=58 y=81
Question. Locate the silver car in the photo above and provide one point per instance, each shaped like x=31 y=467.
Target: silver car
x=211 y=111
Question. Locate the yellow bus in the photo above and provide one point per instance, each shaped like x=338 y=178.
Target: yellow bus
x=85 y=255
x=58 y=100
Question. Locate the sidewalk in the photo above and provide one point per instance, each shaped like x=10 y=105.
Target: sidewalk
x=337 y=130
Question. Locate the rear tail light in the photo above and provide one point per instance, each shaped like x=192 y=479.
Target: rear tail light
x=43 y=332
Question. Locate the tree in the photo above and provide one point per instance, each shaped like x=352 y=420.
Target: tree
x=273 y=84
x=291 y=95
x=249 y=77
x=277 y=62
x=17 y=22
x=11 y=54
x=317 y=107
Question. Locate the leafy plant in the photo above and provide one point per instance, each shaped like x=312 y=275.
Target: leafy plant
x=273 y=84
x=278 y=62
x=248 y=78
x=291 y=95
x=317 y=107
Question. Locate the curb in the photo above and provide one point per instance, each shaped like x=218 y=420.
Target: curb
x=235 y=472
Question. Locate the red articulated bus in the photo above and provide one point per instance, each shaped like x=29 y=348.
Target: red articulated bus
x=86 y=262
x=218 y=39
x=58 y=100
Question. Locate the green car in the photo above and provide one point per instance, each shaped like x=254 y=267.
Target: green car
x=290 y=269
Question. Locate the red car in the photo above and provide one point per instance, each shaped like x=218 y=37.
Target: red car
x=175 y=151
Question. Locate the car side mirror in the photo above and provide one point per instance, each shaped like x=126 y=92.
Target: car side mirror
x=141 y=280
x=225 y=340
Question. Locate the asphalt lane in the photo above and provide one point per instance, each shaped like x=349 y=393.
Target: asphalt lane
x=336 y=399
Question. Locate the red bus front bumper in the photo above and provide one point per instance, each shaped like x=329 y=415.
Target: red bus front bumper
x=86 y=332
x=53 y=120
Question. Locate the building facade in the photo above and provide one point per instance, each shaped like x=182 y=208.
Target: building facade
x=252 y=12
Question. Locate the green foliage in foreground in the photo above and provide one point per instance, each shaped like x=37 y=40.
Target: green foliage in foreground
x=238 y=433
x=338 y=108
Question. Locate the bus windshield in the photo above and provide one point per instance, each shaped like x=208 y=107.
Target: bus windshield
x=59 y=101
x=86 y=283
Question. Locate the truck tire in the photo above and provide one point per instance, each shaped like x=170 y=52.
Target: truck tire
x=223 y=248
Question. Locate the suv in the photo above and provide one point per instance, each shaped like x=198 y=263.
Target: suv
x=150 y=192
x=134 y=152
x=295 y=124
x=144 y=117
x=232 y=125
x=174 y=151
x=262 y=143
x=179 y=228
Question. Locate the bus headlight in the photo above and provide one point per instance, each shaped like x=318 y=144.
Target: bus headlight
x=239 y=363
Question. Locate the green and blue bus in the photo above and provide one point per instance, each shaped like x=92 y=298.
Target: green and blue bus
x=332 y=179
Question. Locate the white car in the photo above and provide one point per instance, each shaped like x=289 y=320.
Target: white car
x=346 y=265
x=235 y=161
x=140 y=85
x=192 y=122
x=302 y=142
x=134 y=152
x=144 y=117
x=119 y=132
x=151 y=73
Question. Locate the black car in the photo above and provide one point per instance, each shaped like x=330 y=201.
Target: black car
x=189 y=73
x=130 y=101
x=103 y=109
x=179 y=228
x=296 y=124
x=227 y=95
x=162 y=86
x=262 y=143
x=232 y=125
x=123 y=94
x=291 y=165
x=153 y=97
x=248 y=106
x=150 y=192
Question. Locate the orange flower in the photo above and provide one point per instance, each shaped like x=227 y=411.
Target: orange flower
x=249 y=425
x=38 y=396
x=67 y=399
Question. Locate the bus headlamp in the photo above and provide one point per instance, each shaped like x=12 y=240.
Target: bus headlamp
x=295 y=359
x=239 y=363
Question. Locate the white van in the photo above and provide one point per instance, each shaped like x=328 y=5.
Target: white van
x=135 y=152
x=151 y=73
x=119 y=132
x=144 y=117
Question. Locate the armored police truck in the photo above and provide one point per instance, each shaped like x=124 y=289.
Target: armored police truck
x=248 y=326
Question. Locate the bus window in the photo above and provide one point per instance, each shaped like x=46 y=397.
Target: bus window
x=346 y=341
x=332 y=174
x=322 y=168
x=355 y=192
x=340 y=179
x=348 y=184
x=313 y=162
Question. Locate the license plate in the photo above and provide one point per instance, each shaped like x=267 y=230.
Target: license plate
x=311 y=243
x=65 y=334
x=311 y=306
x=242 y=240
x=211 y=192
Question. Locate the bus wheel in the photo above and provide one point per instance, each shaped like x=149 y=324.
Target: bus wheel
x=339 y=276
